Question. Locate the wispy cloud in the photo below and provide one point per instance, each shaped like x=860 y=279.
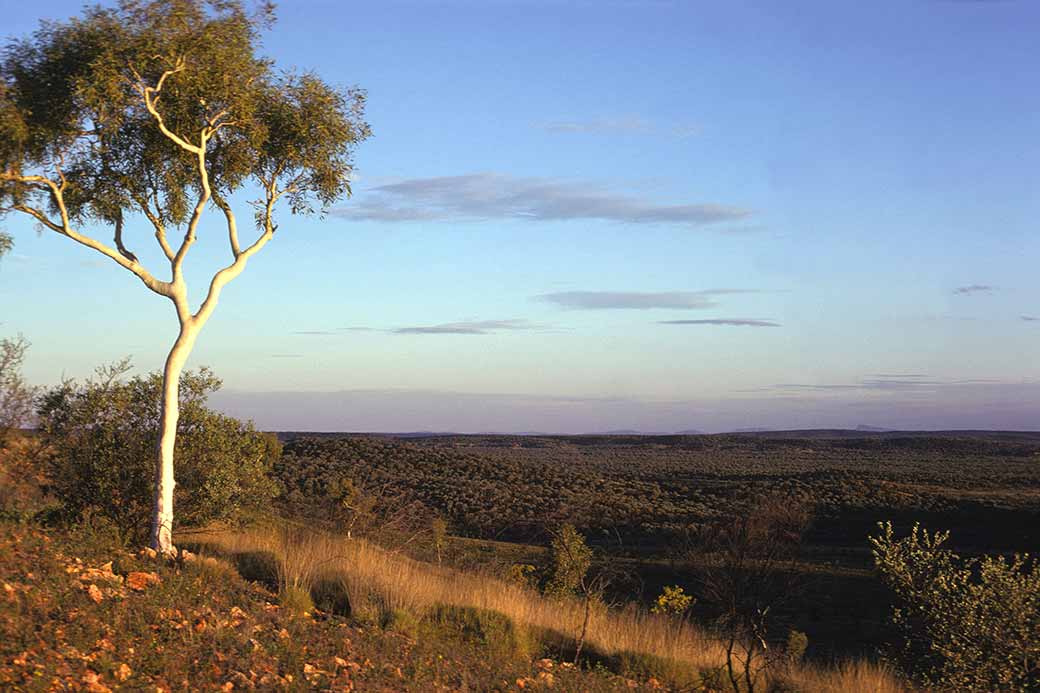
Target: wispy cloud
x=635 y=125
x=465 y=327
x=734 y=322
x=1030 y=318
x=482 y=196
x=637 y=300
x=974 y=289
x=471 y=327
x=883 y=382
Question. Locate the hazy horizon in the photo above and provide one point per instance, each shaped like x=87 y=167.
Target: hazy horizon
x=579 y=217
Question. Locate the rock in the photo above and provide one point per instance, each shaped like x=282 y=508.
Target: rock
x=124 y=672
x=94 y=592
x=139 y=581
x=93 y=683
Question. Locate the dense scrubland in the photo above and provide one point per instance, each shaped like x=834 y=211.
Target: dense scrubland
x=711 y=563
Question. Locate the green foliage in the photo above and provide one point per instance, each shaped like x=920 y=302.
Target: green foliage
x=651 y=491
x=969 y=624
x=495 y=632
x=672 y=600
x=296 y=599
x=16 y=397
x=400 y=621
x=524 y=574
x=439 y=529
x=640 y=665
x=6 y=243
x=570 y=560
x=74 y=96
x=796 y=645
x=104 y=431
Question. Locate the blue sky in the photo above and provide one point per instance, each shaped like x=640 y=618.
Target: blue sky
x=586 y=216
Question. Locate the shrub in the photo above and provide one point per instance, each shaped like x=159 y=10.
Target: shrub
x=968 y=624
x=16 y=397
x=499 y=635
x=439 y=528
x=571 y=559
x=297 y=600
x=104 y=435
x=523 y=574
x=672 y=600
x=796 y=645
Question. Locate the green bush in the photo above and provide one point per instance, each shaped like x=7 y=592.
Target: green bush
x=672 y=600
x=16 y=396
x=297 y=600
x=640 y=665
x=571 y=558
x=497 y=633
x=104 y=435
x=969 y=624
x=796 y=645
x=400 y=621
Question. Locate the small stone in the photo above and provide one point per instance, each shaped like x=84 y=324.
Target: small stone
x=124 y=672
x=139 y=581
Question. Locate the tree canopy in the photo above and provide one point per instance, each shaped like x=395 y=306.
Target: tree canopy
x=149 y=107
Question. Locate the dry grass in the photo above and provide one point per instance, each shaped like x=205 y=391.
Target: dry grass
x=378 y=582
x=848 y=677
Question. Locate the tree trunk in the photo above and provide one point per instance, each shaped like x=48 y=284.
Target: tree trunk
x=162 y=516
x=584 y=629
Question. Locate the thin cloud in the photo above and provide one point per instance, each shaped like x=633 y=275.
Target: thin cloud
x=483 y=196
x=471 y=327
x=974 y=289
x=1030 y=318
x=885 y=382
x=636 y=300
x=598 y=126
x=733 y=322
x=610 y=126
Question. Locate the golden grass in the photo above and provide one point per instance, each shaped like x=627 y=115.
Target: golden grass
x=379 y=582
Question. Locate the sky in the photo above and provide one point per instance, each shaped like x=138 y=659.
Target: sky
x=602 y=215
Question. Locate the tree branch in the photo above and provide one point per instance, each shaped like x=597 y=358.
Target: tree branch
x=65 y=229
x=221 y=278
x=160 y=228
x=151 y=97
x=119 y=241
x=196 y=215
x=232 y=224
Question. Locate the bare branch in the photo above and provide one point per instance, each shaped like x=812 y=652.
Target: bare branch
x=119 y=241
x=151 y=98
x=196 y=215
x=65 y=228
x=160 y=228
x=221 y=278
x=232 y=224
